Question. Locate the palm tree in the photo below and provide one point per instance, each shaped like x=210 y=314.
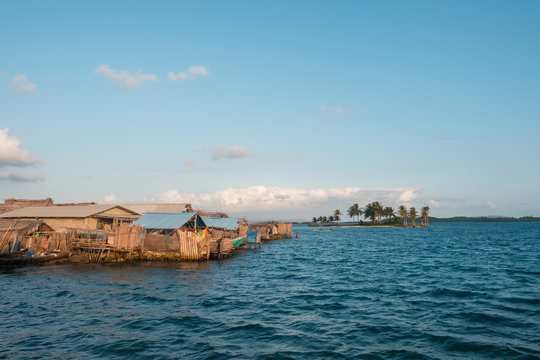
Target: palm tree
x=412 y=214
x=425 y=213
x=321 y=219
x=324 y=219
x=379 y=210
x=354 y=211
x=337 y=214
x=314 y=220
x=331 y=218
x=369 y=212
x=403 y=214
x=359 y=211
x=389 y=213
x=350 y=212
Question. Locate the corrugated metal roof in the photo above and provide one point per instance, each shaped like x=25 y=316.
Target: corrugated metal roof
x=157 y=208
x=221 y=223
x=166 y=221
x=58 y=211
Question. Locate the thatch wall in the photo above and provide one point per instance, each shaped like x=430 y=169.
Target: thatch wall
x=281 y=228
x=158 y=242
x=124 y=236
x=182 y=242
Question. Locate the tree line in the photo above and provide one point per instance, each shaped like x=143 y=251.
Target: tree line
x=376 y=212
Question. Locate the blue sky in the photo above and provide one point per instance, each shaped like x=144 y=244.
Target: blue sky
x=273 y=109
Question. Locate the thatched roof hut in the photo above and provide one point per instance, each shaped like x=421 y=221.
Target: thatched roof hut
x=11 y=230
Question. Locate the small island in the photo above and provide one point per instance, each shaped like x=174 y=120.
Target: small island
x=378 y=216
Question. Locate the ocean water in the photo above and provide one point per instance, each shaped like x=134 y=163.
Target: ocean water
x=451 y=291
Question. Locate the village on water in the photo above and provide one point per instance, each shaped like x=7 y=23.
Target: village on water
x=44 y=232
x=41 y=231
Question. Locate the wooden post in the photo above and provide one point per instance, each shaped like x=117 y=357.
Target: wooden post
x=2 y=243
x=116 y=232
x=179 y=242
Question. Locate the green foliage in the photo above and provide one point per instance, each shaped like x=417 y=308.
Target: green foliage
x=413 y=214
x=354 y=210
x=424 y=214
x=337 y=215
x=403 y=213
x=371 y=211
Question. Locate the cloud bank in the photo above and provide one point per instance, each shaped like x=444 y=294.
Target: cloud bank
x=123 y=78
x=191 y=74
x=291 y=201
x=20 y=83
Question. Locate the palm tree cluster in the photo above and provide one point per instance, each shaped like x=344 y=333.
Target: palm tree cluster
x=323 y=219
x=412 y=214
x=375 y=212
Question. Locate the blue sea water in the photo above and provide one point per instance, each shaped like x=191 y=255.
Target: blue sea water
x=451 y=291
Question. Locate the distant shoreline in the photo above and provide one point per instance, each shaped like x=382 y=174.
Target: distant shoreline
x=366 y=225
x=438 y=220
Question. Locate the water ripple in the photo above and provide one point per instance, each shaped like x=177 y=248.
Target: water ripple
x=451 y=291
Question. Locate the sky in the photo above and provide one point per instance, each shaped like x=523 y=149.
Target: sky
x=273 y=109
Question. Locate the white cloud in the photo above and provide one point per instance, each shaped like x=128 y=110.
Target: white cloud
x=230 y=152
x=408 y=196
x=191 y=74
x=268 y=199
x=491 y=205
x=20 y=83
x=110 y=198
x=11 y=153
x=434 y=203
x=338 y=109
x=123 y=78
x=8 y=175
x=199 y=70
